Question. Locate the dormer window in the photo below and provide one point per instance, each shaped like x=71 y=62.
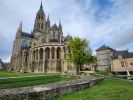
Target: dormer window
x=119 y=56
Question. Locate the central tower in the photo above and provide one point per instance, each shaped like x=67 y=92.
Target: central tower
x=40 y=20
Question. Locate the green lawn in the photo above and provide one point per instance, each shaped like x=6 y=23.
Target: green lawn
x=103 y=72
x=106 y=90
x=17 y=74
x=29 y=81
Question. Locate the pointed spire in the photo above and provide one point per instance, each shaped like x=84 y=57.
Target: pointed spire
x=60 y=26
x=19 y=31
x=54 y=26
x=41 y=6
x=40 y=11
x=60 y=23
x=48 y=19
x=20 y=27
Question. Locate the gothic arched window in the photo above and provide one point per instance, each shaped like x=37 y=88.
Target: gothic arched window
x=42 y=17
x=47 y=53
x=42 y=26
x=58 y=53
x=24 y=44
x=36 y=54
x=44 y=40
x=41 y=53
x=38 y=26
x=38 y=17
x=53 y=52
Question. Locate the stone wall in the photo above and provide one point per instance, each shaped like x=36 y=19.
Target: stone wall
x=103 y=59
x=49 y=91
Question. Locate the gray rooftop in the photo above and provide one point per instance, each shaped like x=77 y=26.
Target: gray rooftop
x=104 y=47
x=124 y=54
x=26 y=35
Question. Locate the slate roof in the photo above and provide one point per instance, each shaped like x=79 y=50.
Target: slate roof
x=67 y=38
x=104 y=47
x=124 y=54
x=54 y=26
x=26 y=35
x=130 y=55
x=40 y=11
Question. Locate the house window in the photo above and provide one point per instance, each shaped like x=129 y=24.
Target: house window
x=122 y=64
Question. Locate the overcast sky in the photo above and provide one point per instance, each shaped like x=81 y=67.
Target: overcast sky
x=107 y=22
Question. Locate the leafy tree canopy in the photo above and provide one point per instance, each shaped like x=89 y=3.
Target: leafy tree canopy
x=80 y=52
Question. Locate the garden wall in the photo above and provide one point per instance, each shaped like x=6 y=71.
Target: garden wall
x=49 y=91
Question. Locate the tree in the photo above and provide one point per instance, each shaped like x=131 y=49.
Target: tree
x=80 y=52
x=94 y=63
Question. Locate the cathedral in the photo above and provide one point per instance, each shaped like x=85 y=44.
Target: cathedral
x=43 y=50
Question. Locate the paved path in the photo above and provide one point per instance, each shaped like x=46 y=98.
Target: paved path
x=111 y=77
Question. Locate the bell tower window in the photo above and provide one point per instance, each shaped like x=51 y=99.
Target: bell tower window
x=38 y=26
x=42 y=17
x=42 y=26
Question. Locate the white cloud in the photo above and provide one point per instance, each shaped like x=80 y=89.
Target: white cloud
x=77 y=17
x=123 y=39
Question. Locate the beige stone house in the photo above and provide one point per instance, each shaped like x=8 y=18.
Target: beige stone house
x=121 y=61
x=42 y=50
x=103 y=55
x=113 y=60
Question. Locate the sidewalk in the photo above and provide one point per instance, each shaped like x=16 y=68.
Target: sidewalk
x=111 y=77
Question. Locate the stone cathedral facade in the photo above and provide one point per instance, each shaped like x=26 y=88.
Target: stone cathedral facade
x=43 y=50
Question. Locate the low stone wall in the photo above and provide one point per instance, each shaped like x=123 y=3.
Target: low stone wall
x=49 y=91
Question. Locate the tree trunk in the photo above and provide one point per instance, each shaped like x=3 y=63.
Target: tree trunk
x=78 y=69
